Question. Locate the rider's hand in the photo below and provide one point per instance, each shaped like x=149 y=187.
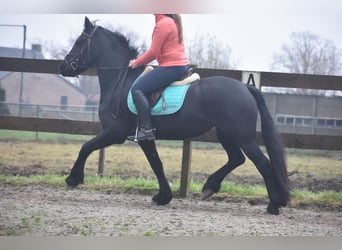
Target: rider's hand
x=132 y=64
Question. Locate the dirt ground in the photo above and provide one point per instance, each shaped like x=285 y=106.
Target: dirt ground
x=41 y=210
x=48 y=211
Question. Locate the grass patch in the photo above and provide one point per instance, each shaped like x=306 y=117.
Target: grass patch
x=129 y=184
x=56 y=158
x=324 y=198
x=54 y=180
x=42 y=136
x=244 y=190
x=300 y=198
x=148 y=233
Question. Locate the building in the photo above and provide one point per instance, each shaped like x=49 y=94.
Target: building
x=306 y=114
x=32 y=89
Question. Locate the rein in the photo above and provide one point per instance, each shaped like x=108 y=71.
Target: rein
x=118 y=85
x=103 y=68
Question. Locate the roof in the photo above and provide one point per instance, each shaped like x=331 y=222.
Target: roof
x=18 y=52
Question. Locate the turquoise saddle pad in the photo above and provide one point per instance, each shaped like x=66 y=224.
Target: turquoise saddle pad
x=169 y=104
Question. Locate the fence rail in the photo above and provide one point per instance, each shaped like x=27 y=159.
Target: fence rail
x=69 y=112
x=270 y=79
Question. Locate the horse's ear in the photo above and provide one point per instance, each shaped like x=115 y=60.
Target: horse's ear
x=87 y=24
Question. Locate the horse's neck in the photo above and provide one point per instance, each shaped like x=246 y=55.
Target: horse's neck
x=109 y=80
x=114 y=87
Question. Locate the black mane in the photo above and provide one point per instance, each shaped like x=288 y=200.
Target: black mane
x=124 y=42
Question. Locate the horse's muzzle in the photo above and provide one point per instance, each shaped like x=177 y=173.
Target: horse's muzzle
x=66 y=69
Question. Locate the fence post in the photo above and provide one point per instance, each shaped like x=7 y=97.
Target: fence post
x=102 y=156
x=186 y=168
x=37 y=115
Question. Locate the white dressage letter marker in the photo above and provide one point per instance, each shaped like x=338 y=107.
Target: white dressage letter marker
x=251 y=77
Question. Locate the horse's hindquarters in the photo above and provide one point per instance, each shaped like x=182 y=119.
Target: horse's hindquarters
x=218 y=102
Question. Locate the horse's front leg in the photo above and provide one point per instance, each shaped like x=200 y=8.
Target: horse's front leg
x=164 y=195
x=106 y=138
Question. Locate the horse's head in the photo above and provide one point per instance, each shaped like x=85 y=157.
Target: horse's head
x=79 y=58
x=97 y=47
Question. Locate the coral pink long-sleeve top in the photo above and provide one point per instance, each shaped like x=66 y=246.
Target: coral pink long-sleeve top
x=165 y=46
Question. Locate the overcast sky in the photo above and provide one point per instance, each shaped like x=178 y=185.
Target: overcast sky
x=254 y=35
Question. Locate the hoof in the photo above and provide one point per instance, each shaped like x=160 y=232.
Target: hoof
x=161 y=200
x=273 y=209
x=73 y=180
x=69 y=188
x=207 y=194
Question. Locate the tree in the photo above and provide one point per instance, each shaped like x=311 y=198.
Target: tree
x=53 y=50
x=207 y=51
x=308 y=53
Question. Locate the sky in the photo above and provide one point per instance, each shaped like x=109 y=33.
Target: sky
x=254 y=32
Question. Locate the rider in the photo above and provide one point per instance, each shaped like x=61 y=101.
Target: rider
x=167 y=48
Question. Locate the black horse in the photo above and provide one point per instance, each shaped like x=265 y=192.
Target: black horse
x=214 y=102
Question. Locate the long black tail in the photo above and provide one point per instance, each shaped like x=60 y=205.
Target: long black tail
x=274 y=145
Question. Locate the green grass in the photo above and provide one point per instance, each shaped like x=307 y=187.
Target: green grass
x=148 y=234
x=142 y=184
x=329 y=199
x=324 y=198
x=44 y=136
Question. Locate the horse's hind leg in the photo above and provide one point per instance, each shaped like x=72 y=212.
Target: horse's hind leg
x=164 y=195
x=254 y=153
x=236 y=158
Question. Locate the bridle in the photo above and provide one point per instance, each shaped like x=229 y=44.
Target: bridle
x=74 y=61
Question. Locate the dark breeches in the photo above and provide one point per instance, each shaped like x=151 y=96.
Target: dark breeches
x=159 y=78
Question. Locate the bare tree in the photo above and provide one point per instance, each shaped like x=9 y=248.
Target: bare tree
x=53 y=50
x=206 y=51
x=308 y=53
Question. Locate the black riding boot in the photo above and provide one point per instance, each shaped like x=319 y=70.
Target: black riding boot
x=145 y=128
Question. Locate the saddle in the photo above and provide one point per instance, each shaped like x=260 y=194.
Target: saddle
x=188 y=77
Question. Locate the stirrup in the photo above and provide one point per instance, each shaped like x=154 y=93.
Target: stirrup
x=146 y=135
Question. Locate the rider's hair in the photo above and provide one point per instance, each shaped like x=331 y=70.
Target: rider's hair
x=178 y=20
